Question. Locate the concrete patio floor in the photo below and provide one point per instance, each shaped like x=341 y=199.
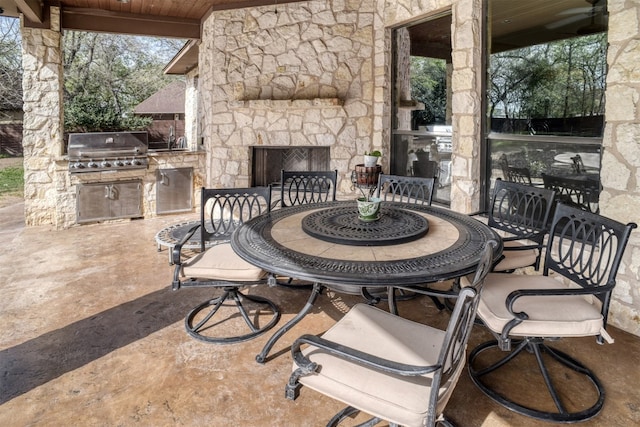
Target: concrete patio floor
x=94 y=336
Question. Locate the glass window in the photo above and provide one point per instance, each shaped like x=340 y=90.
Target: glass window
x=421 y=140
x=545 y=91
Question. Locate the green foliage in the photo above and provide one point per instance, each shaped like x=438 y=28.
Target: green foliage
x=561 y=79
x=107 y=75
x=428 y=85
x=10 y=64
x=11 y=180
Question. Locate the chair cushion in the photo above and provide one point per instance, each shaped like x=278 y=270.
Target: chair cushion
x=220 y=262
x=549 y=316
x=516 y=258
x=403 y=400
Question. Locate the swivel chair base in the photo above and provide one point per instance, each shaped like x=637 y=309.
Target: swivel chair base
x=536 y=346
x=208 y=322
x=351 y=412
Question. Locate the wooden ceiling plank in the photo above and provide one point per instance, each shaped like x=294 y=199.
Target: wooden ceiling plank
x=126 y=23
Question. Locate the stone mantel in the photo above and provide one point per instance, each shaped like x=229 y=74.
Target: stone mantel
x=286 y=104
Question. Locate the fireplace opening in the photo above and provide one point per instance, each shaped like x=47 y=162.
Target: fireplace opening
x=267 y=162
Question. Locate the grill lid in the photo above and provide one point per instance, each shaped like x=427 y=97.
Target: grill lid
x=107 y=144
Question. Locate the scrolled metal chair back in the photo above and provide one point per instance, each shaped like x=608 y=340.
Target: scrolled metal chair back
x=587 y=249
x=520 y=209
x=583 y=194
x=406 y=189
x=223 y=210
x=303 y=187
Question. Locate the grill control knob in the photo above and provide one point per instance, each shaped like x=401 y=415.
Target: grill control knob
x=105 y=164
x=127 y=162
x=92 y=164
x=136 y=162
x=119 y=163
x=78 y=165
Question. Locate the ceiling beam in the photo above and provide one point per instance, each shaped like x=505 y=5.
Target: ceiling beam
x=126 y=23
x=32 y=10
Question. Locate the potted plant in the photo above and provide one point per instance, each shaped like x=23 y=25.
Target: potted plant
x=371 y=158
x=368 y=206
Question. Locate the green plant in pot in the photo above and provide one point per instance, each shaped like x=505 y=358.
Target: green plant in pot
x=368 y=206
x=371 y=158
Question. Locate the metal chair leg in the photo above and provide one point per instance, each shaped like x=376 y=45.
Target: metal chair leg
x=317 y=290
x=350 y=412
x=207 y=322
x=537 y=347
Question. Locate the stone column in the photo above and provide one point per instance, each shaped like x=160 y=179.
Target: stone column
x=43 y=121
x=620 y=172
x=466 y=104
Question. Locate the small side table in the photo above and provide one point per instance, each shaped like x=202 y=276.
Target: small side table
x=171 y=235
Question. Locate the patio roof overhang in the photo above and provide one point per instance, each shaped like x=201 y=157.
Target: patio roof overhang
x=514 y=24
x=160 y=18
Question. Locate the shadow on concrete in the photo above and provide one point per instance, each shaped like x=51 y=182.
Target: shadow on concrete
x=37 y=361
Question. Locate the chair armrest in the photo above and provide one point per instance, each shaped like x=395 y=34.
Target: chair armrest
x=177 y=249
x=478 y=213
x=528 y=236
x=522 y=247
x=353 y=355
x=513 y=296
x=427 y=291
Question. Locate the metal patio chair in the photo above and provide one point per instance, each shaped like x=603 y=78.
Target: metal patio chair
x=520 y=212
x=580 y=191
x=525 y=312
x=302 y=187
x=406 y=189
x=222 y=211
x=386 y=366
x=403 y=189
x=520 y=175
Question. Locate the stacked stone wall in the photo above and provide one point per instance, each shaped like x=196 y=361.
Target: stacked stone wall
x=301 y=74
x=42 y=124
x=620 y=172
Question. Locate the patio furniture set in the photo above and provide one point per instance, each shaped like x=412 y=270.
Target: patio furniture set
x=378 y=362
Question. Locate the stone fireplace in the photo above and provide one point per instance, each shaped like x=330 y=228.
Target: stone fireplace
x=268 y=162
x=261 y=137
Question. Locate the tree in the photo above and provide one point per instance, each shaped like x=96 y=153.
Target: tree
x=10 y=64
x=561 y=79
x=428 y=85
x=107 y=75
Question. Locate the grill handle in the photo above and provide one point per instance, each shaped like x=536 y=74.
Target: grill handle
x=110 y=153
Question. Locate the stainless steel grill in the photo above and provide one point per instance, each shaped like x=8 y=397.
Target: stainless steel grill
x=104 y=151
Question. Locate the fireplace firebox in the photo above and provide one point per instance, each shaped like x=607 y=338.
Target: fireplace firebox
x=267 y=162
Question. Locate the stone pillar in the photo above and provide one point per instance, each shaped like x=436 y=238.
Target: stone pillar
x=466 y=104
x=620 y=172
x=191 y=119
x=43 y=121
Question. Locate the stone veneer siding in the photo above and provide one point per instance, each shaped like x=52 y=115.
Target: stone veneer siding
x=620 y=172
x=337 y=50
x=300 y=74
x=42 y=125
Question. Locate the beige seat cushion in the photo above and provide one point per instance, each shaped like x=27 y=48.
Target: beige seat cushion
x=516 y=258
x=403 y=400
x=221 y=262
x=549 y=316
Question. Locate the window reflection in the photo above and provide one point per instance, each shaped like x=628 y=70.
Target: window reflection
x=545 y=91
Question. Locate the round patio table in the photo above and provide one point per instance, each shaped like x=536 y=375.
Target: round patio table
x=277 y=242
